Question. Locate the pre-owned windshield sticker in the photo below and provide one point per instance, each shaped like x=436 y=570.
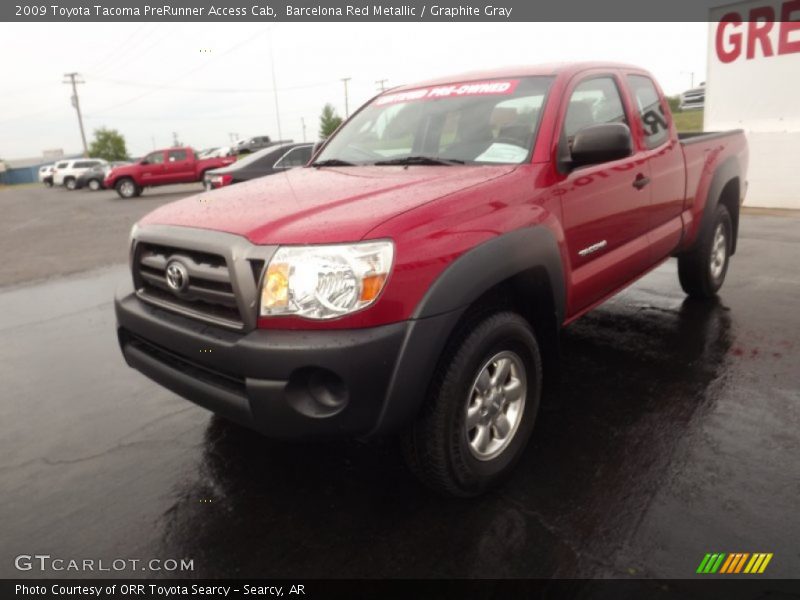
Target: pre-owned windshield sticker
x=474 y=88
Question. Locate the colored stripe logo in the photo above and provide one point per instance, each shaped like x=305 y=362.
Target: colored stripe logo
x=734 y=563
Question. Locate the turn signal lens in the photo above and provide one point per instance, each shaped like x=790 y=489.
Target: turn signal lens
x=371 y=286
x=275 y=293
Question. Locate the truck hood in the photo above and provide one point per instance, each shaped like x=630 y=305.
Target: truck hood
x=115 y=172
x=327 y=205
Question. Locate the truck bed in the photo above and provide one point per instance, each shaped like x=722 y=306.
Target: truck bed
x=705 y=154
x=694 y=137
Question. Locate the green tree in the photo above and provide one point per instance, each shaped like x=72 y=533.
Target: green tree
x=328 y=121
x=108 y=144
x=674 y=103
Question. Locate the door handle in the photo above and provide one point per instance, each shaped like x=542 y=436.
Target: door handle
x=640 y=181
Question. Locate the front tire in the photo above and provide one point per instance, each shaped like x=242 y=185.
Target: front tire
x=94 y=185
x=127 y=188
x=702 y=270
x=481 y=407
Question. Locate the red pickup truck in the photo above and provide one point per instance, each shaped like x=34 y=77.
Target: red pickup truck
x=413 y=278
x=162 y=167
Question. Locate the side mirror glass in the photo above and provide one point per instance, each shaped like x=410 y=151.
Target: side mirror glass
x=601 y=143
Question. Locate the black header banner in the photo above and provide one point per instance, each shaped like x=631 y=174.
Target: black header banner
x=223 y=11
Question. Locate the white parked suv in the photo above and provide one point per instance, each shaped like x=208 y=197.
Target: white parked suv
x=67 y=171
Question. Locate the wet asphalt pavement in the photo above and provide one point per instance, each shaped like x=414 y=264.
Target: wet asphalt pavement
x=676 y=432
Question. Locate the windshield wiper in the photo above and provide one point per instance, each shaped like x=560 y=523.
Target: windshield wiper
x=332 y=162
x=420 y=160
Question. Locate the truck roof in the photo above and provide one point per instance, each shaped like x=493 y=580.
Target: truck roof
x=556 y=68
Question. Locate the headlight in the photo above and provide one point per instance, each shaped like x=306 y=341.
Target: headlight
x=325 y=282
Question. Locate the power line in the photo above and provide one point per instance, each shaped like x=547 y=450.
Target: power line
x=381 y=83
x=185 y=74
x=76 y=103
x=172 y=88
x=120 y=49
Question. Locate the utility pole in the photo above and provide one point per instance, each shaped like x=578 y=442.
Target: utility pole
x=175 y=141
x=691 y=75
x=274 y=85
x=153 y=139
x=233 y=137
x=303 y=123
x=346 y=99
x=76 y=103
x=382 y=84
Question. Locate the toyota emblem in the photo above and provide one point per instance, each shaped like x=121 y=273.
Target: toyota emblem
x=177 y=276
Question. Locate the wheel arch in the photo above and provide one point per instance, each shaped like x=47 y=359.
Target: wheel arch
x=520 y=270
x=725 y=188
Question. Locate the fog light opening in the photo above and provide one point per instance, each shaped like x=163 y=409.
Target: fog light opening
x=316 y=392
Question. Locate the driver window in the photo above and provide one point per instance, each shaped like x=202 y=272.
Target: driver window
x=155 y=158
x=593 y=102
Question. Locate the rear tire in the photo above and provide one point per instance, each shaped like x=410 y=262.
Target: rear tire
x=702 y=270
x=69 y=183
x=481 y=407
x=94 y=185
x=127 y=188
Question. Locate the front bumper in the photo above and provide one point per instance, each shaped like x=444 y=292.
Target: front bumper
x=288 y=384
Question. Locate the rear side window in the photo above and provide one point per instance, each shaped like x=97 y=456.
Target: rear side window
x=593 y=102
x=651 y=110
x=176 y=155
x=62 y=165
x=84 y=164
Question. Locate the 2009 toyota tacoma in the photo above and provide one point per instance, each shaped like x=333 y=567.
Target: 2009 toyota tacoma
x=414 y=276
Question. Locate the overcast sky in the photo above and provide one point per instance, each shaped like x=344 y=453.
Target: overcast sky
x=207 y=80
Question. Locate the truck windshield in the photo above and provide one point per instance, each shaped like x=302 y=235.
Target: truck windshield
x=474 y=122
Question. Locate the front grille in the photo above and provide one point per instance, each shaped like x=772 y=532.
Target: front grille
x=209 y=295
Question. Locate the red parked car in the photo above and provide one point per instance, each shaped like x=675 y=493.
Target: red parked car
x=162 y=167
x=413 y=278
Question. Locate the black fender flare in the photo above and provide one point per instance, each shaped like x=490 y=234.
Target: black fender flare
x=463 y=282
x=490 y=263
x=726 y=172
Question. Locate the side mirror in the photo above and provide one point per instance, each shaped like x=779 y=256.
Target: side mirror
x=601 y=143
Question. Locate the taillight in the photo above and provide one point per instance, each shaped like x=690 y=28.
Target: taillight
x=220 y=180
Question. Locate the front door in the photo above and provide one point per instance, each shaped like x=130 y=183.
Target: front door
x=605 y=206
x=152 y=168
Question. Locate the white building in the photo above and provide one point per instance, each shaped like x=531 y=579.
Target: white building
x=753 y=83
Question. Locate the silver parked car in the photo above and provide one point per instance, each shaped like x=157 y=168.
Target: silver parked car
x=694 y=99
